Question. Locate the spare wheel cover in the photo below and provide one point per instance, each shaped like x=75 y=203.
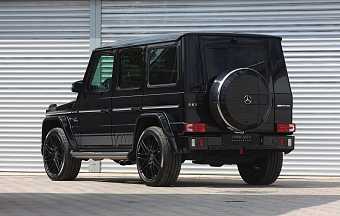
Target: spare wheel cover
x=240 y=99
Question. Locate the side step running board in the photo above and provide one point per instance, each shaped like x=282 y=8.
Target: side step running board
x=100 y=155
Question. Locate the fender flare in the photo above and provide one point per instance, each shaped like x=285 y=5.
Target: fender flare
x=163 y=122
x=63 y=122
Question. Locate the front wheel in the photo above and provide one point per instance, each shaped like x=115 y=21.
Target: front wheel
x=58 y=162
x=156 y=163
x=264 y=171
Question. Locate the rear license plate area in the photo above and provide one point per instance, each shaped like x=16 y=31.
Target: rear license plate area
x=240 y=139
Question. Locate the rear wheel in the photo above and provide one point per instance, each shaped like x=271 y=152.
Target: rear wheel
x=58 y=162
x=156 y=163
x=263 y=171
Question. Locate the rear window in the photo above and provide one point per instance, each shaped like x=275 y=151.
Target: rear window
x=220 y=59
x=163 y=66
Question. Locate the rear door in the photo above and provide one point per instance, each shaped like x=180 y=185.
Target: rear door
x=163 y=88
x=128 y=96
x=95 y=116
x=223 y=53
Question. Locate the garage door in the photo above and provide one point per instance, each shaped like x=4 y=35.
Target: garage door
x=44 y=47
x=311 y=43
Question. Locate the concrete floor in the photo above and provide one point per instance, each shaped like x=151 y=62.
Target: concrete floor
x=124 y=194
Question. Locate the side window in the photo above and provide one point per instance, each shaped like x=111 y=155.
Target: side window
x=163 y=66
x=101 y=74
x=131 y=68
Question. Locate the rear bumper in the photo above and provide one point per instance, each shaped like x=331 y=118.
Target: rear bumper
x=282 y=143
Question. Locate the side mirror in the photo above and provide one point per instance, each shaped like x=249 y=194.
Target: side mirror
x=76 y=86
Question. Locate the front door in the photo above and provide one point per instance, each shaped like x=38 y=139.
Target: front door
x=95 y=116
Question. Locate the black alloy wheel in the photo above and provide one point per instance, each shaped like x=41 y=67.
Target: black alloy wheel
x=156 y=163
x=59 y=164
x=53 y=155
x=264 y=171
x=149 y=155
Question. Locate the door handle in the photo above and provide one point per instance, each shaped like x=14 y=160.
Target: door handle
x=106 y=110
x=136 y=108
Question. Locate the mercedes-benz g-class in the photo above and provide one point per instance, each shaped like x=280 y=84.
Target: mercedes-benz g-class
x=212 y=98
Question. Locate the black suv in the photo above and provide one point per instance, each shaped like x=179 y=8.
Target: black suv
x=213 y=98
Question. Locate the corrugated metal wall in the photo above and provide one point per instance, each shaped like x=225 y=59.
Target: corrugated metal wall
x=311 y=43
x=44 y=47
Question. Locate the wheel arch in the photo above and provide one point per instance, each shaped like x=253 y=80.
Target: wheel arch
x=62 y=122
x=146 y=120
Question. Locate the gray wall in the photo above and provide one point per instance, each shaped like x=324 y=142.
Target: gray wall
x=45 y=45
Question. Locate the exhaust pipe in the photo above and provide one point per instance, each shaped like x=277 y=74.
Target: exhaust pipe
x=125 y=162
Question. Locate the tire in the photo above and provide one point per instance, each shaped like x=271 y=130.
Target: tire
x=157 y=165
x=263 y=171
x=58 y=162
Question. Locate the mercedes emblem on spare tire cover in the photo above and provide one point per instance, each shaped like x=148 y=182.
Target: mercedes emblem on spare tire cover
x=224 y=99
x=247 y=99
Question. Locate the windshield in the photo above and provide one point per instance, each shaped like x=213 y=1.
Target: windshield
x=220 y=59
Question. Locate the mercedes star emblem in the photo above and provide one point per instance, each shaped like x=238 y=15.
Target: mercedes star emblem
x=247 y=99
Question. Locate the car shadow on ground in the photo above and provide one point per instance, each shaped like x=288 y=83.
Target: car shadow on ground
x=225 y=182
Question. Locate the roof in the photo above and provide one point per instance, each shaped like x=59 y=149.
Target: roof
x=171 y=37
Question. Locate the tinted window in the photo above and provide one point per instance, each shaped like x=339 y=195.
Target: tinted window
x=101 y=74
x=163 y=66
x=131 y=68
x=220 y=59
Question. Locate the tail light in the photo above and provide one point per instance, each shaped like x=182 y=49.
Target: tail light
x=285 y=128
x=194 y=127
